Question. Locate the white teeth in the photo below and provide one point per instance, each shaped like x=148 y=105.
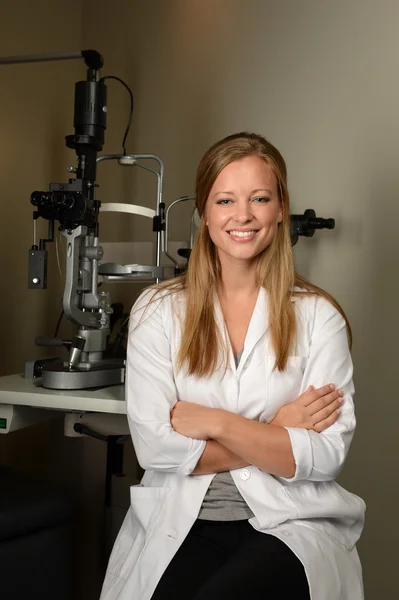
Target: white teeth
x=242 y=233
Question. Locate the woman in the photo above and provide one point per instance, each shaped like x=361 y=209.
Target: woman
x=239 y=398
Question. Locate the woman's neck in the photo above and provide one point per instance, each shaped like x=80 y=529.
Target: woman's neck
x=237 y=278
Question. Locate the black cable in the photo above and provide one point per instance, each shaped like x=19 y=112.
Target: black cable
x=58 y=323
x=131 y=107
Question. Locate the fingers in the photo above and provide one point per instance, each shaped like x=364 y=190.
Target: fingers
x=322 y=425
x=326 y=401
x=312 y=394
x=324 y=413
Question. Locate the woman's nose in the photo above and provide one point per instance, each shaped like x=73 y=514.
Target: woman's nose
x=243 y=213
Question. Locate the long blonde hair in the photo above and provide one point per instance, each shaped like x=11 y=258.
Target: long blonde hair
x=201 y=340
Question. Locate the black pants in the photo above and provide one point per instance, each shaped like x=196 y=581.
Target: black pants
x=229 y=560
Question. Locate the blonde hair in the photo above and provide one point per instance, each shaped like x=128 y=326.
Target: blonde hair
x=201 y=340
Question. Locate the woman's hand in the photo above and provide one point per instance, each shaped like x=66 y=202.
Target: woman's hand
x=193 y=420
x=314 y=409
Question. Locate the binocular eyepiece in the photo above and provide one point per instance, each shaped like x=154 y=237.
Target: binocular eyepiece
x=54 y=200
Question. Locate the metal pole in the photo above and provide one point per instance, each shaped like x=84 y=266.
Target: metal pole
x=29 y=58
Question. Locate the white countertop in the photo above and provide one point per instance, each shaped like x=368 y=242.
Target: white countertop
x=16 y=390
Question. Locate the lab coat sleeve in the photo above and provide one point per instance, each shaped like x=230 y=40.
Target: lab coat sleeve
x=320 y=456
x=151 y=393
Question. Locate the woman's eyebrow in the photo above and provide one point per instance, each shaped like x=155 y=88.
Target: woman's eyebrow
x=253 y=192
x=216 y=193
x=262 y=190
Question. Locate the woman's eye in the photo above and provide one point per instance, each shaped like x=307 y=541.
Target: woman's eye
x=224 y=202
x=261 y=199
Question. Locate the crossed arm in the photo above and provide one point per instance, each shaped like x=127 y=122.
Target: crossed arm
x=289 y=450
x=234 y=441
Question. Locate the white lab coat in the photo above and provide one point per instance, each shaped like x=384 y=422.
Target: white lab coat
x=319 y=520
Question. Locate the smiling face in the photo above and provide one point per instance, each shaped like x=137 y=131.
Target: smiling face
x=243 y=210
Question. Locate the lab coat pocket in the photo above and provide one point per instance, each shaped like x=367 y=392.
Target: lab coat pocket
x=146 y=505
x=329 y=508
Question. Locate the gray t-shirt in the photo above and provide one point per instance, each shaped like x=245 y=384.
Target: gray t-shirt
x=223 y=501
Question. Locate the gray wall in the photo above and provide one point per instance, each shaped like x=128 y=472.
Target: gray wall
x=319 y=79
x=36 y=108
x=36 y=112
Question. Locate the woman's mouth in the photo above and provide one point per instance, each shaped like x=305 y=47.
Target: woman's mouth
x=242 y=236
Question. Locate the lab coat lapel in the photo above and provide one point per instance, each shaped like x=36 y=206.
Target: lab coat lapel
x=258 y=326
x=224 y=334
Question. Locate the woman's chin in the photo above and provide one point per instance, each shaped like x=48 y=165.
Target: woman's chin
x=241 y=254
